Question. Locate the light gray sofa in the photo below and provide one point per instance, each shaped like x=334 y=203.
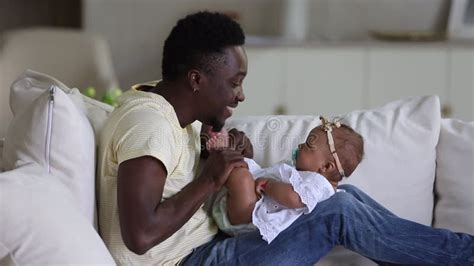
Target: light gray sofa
x=416 y=164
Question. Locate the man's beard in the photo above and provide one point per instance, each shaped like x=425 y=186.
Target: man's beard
x=216 y=125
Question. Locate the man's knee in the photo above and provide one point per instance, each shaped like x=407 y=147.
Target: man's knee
x=342 y=198
x=349 y=188
x=336 y=215
x=342 y=203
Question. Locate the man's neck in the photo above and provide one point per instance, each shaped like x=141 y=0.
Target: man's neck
x=180 y=98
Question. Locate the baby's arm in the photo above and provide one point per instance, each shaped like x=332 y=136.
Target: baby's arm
x=281 y=192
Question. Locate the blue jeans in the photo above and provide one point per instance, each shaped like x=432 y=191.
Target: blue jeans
x=351 y=219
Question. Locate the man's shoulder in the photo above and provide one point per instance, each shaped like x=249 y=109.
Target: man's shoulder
x=145 y=108
x=146 y=116
x=137 y=124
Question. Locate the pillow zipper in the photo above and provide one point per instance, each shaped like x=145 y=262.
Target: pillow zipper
x=52 y=91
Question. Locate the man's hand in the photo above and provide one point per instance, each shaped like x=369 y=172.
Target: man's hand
x=241 y=143
x=219 y=165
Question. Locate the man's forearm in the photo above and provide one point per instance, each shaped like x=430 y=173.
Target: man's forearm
x=147 y=219
x=171 y=214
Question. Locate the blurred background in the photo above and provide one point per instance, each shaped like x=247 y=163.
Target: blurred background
x=305 y=56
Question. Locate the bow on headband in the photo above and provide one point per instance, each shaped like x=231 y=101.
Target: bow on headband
x=328 y=126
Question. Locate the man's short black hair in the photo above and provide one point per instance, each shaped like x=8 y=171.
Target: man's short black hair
x=197 y=41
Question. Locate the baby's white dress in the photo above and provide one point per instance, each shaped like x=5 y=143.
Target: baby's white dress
x=268 y=216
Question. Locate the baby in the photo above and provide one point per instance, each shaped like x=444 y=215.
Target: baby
x=271 y=199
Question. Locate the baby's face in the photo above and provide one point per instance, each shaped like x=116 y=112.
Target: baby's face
x=312 y=153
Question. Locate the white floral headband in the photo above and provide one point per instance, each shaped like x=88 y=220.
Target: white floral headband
x=328 y=126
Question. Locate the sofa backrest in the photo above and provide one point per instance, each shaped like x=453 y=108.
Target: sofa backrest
x=398 y=168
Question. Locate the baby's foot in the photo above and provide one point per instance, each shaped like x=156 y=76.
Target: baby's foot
x=218 y=140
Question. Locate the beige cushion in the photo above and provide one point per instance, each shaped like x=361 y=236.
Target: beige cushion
x=40 y=223
x=455 y=176
x=77 y=58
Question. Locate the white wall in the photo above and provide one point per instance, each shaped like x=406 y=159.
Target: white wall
x=136 y=29
x=352 y=19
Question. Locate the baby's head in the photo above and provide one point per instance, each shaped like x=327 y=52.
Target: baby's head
x=315 y=154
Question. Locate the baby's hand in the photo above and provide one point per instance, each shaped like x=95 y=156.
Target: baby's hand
x=260 y=185
x=217 y=140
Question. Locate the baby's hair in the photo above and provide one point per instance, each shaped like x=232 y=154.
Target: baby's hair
x=349 y=148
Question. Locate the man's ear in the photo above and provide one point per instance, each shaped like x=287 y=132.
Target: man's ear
x=194 y=80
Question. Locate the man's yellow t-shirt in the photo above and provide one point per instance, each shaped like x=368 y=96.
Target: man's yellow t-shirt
x=145 y=124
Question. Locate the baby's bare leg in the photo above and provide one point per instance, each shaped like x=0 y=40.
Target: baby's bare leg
x=241 y=197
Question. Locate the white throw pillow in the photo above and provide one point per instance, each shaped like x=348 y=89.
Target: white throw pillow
x=29 y=85
x=40 y=224
x=55 y=134
x=455 y=177
x=399 y=165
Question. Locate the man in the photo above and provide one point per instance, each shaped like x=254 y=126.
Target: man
x=151 y=199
